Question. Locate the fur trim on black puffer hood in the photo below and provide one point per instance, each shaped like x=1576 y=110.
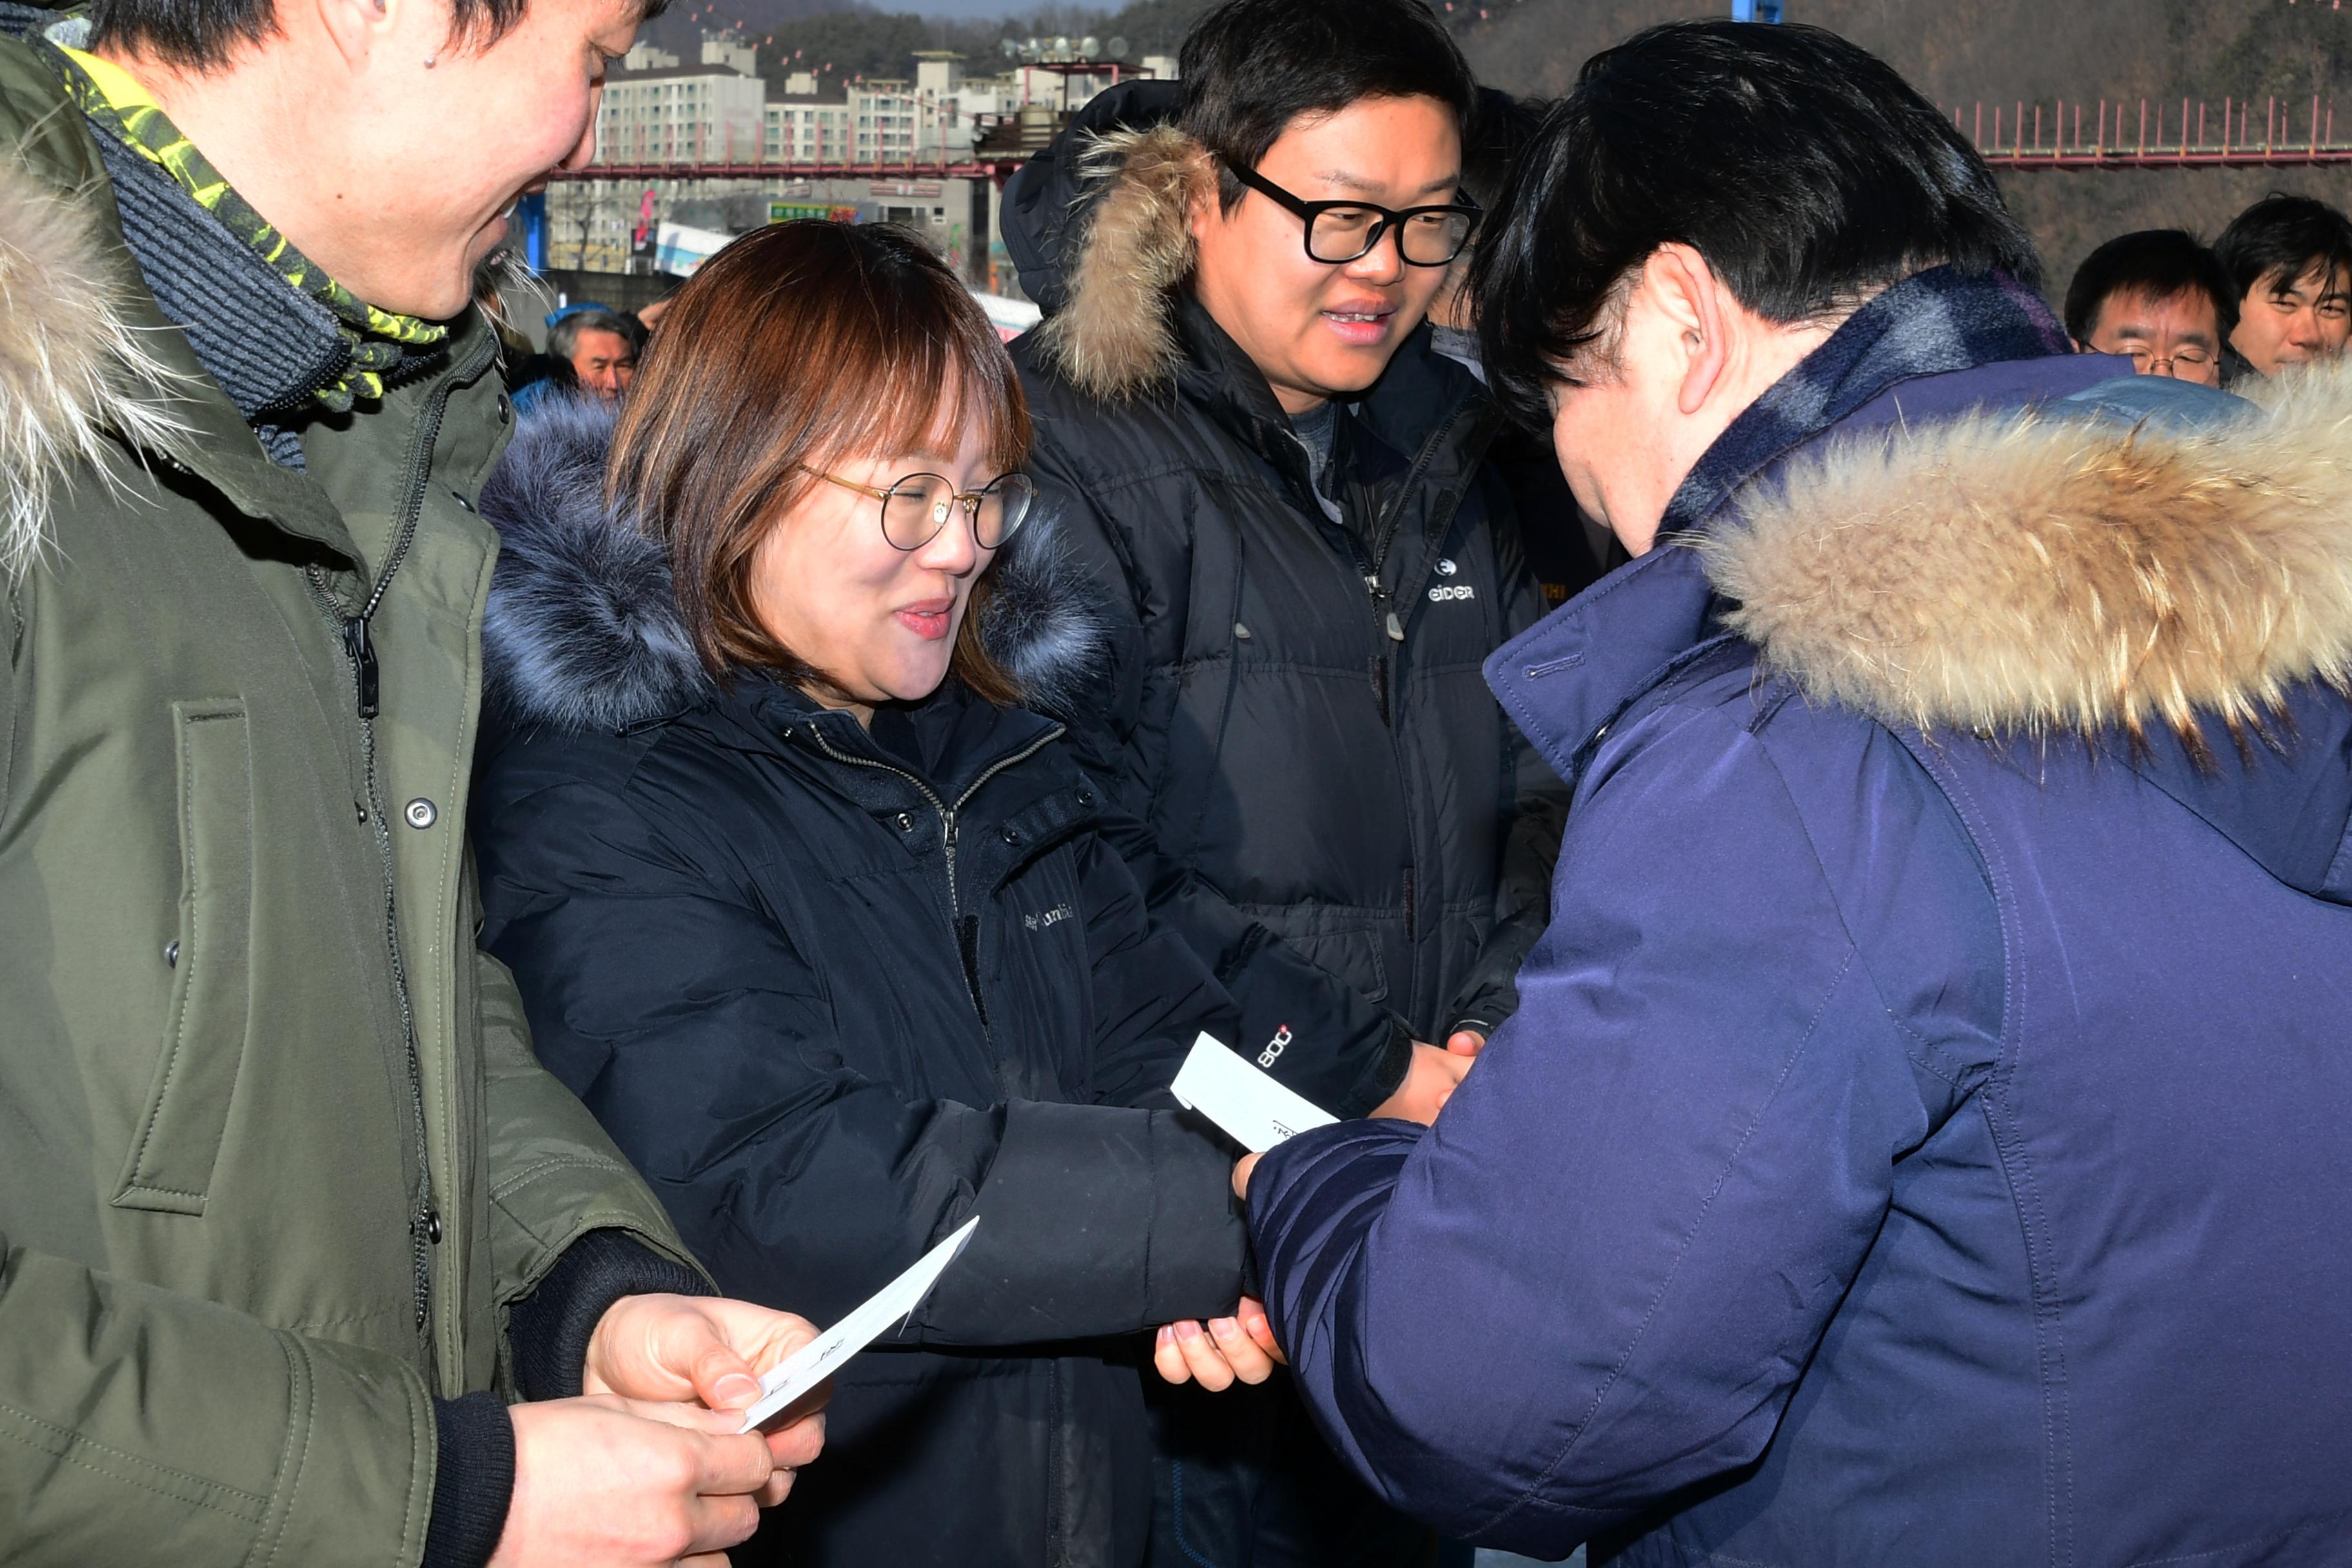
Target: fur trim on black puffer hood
x=583 y=632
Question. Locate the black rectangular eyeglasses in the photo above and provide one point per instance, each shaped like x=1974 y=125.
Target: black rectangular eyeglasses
x=1340 y=232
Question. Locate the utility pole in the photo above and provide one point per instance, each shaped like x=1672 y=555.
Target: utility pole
x=1755 y=10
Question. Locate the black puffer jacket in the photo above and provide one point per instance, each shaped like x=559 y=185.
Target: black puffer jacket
x=836 y=993
x=1338 y=814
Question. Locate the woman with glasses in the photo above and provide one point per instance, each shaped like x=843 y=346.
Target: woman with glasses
x=810 y=903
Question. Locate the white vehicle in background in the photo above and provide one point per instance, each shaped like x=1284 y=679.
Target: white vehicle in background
x=1011 y=318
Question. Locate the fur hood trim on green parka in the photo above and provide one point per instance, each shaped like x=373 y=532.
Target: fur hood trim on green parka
x=2028 y=571
x=73 y=373
x=1114 y=336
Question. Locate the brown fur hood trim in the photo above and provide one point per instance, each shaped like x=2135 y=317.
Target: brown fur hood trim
x=2033 y=573
x=1114 y=338
x=72 y=371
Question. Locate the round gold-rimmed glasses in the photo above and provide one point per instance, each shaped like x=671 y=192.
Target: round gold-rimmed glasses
x=917 y=507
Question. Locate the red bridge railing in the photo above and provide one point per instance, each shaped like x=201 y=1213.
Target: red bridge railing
x=897 y=169
x=2142 y=133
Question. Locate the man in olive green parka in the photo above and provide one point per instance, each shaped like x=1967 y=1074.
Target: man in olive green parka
x=289 y=1217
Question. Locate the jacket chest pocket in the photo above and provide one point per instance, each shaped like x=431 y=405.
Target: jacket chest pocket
x=178 y=1138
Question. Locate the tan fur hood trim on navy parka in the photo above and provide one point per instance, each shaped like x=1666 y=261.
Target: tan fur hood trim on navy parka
x=2033 y=573
x=1113 y=337
x=72 y=371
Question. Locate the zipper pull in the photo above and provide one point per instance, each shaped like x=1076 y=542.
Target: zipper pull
x=1396 y=628
x=361 y=649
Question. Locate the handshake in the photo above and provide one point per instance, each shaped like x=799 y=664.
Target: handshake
x=649 y=1465
x=1241 y=1349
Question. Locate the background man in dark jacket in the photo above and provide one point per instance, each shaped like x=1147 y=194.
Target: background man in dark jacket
x=2290 y=258
x=287 y=1212
x=2158 y=298
x=1922 y=1137
x=1279 y=482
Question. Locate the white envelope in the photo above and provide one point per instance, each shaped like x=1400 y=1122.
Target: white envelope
x=817 y=1360
x=1257 y=1111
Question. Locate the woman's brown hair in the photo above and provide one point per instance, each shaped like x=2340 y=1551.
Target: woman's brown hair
x=799 y=346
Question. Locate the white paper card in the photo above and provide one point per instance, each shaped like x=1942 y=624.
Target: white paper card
x=1245 y=1102
x=817 y=1360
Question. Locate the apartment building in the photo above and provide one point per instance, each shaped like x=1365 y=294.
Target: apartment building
x=662 y=113
x=807 y=124
x=668 y=113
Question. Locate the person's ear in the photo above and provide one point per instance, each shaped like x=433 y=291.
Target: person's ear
x=1204 y=209
x=1688 y=293
x=358 y=28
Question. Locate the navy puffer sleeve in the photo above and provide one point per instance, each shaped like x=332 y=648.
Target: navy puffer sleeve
x=1597 y=1278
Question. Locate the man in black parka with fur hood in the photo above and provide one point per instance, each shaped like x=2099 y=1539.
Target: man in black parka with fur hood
x=1335 y=811
x=1305 y=574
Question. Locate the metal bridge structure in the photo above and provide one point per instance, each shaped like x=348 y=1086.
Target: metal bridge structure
x=2153 y=133
x=2096 y=133
x=997 y=169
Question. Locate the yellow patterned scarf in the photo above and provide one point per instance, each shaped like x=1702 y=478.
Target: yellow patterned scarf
x=378 y=340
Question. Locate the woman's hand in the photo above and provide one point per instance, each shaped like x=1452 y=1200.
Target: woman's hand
x=1220 y=1352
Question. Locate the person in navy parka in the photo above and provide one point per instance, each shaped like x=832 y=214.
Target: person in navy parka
x=820 y=919
x=1923 y=1138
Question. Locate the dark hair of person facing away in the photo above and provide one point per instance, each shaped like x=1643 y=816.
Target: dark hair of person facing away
x=803 y=345
x=1499 y=133
x=1805 y=171
x=1249 y=67
x=2153 y=264
x=201 y=35
x=2283 y=239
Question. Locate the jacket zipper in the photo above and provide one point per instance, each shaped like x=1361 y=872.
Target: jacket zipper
x=359 y=647
x=967 y=944
x=1389 y=621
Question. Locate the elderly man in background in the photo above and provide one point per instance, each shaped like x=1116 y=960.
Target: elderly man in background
x=591 y=350
x=600 y=349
